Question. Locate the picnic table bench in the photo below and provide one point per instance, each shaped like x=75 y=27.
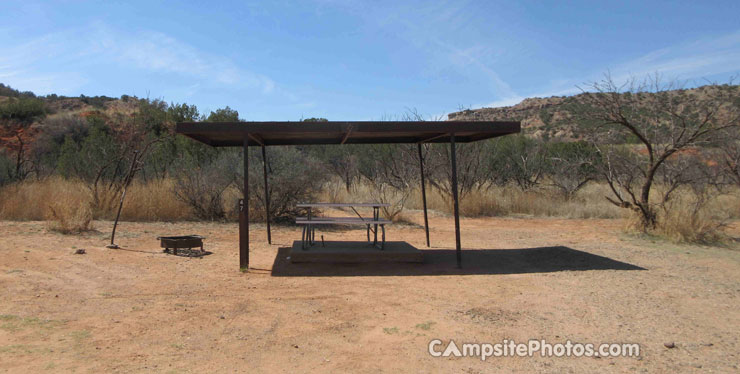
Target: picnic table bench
x=309 y=222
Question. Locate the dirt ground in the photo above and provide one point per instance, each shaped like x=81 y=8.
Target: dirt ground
x=137 y=309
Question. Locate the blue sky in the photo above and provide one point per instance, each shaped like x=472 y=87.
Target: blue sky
x=358 y=60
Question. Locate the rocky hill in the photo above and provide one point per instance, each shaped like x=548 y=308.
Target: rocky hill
x=548 y=118
x=553 y=117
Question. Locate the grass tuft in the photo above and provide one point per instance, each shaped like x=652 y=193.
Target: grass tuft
x=69 y=218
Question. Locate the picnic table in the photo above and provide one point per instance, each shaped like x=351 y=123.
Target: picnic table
x=310 y=222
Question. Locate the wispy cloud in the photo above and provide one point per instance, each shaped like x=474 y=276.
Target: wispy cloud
x=686 y=61
x=441 y=30
x=469 y=56
x=156 y=51
x=36 y=64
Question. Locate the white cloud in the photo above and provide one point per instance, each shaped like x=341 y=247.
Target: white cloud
x=28 y=64
x=156 y=51
x=688 y=60
x=441 y=30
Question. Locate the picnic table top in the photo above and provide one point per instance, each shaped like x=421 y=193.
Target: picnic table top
x=340 y=205
x=339 y=221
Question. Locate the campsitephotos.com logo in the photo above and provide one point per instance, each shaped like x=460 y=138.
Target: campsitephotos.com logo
x=510 y=348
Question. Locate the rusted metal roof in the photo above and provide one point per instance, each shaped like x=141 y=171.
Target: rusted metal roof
x=231 y=134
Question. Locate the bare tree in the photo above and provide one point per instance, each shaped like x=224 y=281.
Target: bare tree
x=571 y=166
x=663 y=120
x=202 y=176
x=472 y=168
x=102 y=158
x=392 y=173
x=341 y=161
x=136 y=165
x=515 y=159
x=729 y=157
x=294 y=177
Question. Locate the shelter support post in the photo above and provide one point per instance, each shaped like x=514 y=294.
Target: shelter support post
x=453 y=158
x=244 y=213
x=423 y=193
x=267 y=195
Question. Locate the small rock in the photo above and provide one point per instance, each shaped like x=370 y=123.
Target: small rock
x=222 y=317
x=670 y=345
x=80 y=251
x=295 y=345
x=698 y=366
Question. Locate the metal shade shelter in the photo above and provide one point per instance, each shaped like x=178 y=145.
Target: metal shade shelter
x=245 y=134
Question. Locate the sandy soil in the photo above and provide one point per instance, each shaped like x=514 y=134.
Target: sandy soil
x=139 y=310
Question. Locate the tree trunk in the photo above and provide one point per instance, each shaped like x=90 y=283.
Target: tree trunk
x=129 y=178
x=19 y=158
x=648 y=214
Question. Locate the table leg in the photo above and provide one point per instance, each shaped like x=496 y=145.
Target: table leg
x=309 y=230
x=376 y=214
x=382 y=245
x=303 y=238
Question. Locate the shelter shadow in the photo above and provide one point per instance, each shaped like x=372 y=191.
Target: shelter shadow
x=475 y=261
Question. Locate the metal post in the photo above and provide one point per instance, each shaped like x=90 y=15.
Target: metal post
x=458 y=251
x=244 y=213
x=424 y=194
x=267 y=195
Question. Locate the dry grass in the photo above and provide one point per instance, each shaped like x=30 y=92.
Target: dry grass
x=684 y=221
x=507 y=201
x=67 y=204
x=31 y=200
x=684 y=225
x=497 y=201
x=153 y=201
x=691 y=219
x=69 y=218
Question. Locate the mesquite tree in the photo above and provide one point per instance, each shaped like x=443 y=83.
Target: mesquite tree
x=655 y=123
x=571 y=166
x=391 y=172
